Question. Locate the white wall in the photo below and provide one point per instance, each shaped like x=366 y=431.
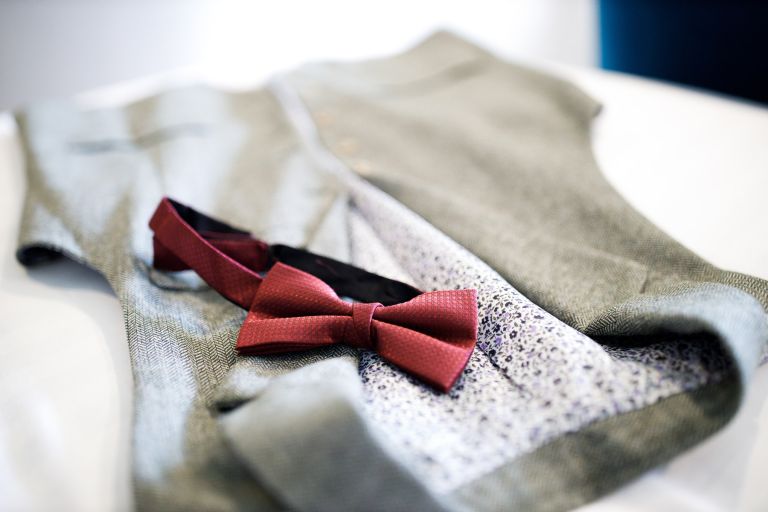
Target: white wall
x=60 y=47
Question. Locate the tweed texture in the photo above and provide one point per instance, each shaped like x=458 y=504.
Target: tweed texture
x=91 y=190
x=499 y=158
x=543 y=418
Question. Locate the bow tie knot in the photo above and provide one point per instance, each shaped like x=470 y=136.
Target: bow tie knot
x=362 y=335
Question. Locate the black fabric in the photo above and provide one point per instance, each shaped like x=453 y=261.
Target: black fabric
x=201 y=222
x=346 y=280
x=34 y=255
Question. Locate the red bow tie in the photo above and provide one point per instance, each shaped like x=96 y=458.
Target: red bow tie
x=430 y=336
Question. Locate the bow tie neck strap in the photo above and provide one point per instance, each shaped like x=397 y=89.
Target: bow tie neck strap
x=251 y=253
x=222 y=272
x=236 y=251
x=235 y=243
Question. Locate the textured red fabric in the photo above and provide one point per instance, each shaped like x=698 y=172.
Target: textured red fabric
x=250 y=252
x=179 y=242
x=430 y=336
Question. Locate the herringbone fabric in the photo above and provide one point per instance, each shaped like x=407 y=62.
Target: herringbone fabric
x=509 y=175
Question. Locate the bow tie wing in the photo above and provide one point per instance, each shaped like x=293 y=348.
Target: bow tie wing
x=265 y=336
x=292 y=311
x=290 y=292
x=431 y=336
x=430 y=359
x=449 y=315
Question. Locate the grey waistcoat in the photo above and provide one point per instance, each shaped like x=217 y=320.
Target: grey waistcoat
x=544 y=417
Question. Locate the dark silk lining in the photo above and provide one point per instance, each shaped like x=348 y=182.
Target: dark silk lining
x=202 y=223
x=346 y=280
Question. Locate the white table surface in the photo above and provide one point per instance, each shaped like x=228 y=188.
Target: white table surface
x=696 y=165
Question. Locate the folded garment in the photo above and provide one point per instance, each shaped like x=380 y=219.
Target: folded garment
x=543 y=417
x=500 y=159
